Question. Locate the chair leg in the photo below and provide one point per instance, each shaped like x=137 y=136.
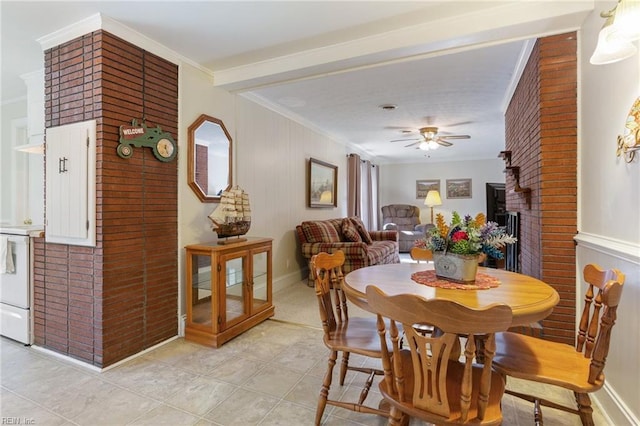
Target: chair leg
x=537 y=413
x=344 y=367
x=584 y=408
x=326 y=384
x=397 y=417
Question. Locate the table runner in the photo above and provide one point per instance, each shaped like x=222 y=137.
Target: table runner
x=429 y=278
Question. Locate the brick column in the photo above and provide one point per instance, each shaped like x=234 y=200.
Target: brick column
x=106 y=303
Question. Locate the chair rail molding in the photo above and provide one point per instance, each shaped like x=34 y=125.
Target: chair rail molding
x=623 y=250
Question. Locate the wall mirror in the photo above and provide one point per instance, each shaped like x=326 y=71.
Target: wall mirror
x=209 y=163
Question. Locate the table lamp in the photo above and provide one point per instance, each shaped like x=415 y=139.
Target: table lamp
x=433 y=199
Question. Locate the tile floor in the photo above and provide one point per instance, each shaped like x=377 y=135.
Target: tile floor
x=269 y=375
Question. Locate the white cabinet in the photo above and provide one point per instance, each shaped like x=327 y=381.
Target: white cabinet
x=70 y=184
x=35 y=106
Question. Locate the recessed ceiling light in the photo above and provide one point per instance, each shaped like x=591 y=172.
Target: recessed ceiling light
x=388 y=107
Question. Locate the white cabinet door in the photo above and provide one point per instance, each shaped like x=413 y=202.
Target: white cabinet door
x=70 y=202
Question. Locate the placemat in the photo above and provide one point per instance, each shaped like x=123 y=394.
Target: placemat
x=483 y=281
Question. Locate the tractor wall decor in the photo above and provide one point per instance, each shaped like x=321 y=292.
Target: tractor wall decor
x=161 y=143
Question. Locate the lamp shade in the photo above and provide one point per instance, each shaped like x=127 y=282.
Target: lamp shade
x=626 y=22
x=611 y=49
x=326 y=197
x=433 y=199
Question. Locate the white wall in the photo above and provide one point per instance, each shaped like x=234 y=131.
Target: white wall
x=10 y=168
x=609 y=203
x=398 y=184
x=270 y=163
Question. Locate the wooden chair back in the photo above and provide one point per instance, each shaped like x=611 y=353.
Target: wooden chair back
x=436 y=383
x=421 y=254
x=598 y=316
x=328 y=279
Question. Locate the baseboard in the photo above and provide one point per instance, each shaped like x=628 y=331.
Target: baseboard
x=92 y=367
x=288 y=280
x=613 y=408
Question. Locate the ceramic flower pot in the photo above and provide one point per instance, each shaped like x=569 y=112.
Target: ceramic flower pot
x=456 y=267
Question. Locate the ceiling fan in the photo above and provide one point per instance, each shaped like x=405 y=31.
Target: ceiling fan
x=431 y=140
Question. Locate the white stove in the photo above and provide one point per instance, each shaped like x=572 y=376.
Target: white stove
x=16 y=281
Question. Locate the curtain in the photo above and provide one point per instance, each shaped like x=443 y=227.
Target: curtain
x=362 y=191
x=353 y=185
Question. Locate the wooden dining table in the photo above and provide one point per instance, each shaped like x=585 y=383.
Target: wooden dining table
x=530 y=299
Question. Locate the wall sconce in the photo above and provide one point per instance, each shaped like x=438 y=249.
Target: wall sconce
x=620 y=30
x=433 y=199
x=629 y=143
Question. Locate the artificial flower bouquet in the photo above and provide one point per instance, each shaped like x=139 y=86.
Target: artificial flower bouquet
x=467 y=236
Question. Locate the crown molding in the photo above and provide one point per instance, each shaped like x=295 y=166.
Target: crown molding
x=99 y=21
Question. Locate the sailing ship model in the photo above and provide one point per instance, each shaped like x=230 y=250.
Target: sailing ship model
x=232 y=217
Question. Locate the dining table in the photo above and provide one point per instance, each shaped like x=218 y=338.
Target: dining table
x=530 y=299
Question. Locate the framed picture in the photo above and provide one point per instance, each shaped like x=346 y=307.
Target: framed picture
x=458 y=188
x=424 y=186
x=323 y=184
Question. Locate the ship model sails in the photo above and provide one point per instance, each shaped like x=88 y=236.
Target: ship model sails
x=232 y=217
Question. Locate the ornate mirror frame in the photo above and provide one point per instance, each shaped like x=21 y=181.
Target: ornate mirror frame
x=209 y=153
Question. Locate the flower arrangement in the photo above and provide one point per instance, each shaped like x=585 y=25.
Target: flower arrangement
x=466 y=236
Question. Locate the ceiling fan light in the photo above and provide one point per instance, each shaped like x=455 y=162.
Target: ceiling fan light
x=433 y=145
x=424 y=146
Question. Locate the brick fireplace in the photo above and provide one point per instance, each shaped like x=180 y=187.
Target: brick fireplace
x=541 y=134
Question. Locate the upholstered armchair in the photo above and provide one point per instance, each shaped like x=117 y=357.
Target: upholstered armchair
x=405 y=219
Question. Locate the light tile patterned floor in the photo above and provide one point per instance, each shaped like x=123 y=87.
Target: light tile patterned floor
x=270 y=375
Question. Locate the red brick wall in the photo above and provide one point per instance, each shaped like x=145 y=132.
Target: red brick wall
x=541 y=133
x=202 y=168
x=105 y=303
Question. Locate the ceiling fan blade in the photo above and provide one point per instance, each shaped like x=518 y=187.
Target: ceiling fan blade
x=455 y=137
x=404 y=140
x=442 y=142
x=411 y=144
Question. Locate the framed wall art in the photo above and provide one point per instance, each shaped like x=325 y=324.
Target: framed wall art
x=426 y=185
x=458 y=188
x=323 y=184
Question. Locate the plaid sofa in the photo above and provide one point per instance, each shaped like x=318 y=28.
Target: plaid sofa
x=317 y=236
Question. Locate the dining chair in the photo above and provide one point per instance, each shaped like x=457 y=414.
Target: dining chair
x=579 y=369
x=343 y=334
x=421 y=254
x=430 y=381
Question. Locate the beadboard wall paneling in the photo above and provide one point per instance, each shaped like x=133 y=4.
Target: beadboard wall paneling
x=273 y=152
x=619 y=397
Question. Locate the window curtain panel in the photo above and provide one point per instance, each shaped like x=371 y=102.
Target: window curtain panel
x=353 y=185
x=362 y=191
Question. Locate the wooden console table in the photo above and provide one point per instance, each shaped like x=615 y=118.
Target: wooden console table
x=228 y=289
